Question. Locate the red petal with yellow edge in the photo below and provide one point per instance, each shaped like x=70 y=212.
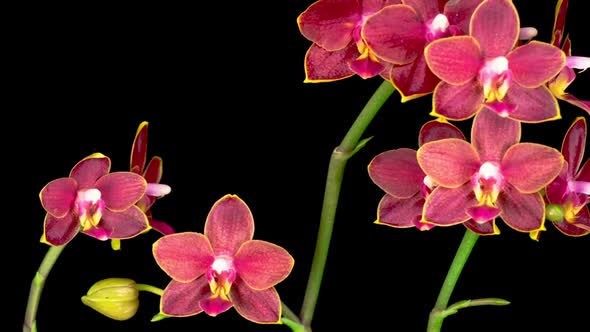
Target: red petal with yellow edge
x=259 y=306
x=492 y=135
x=449 y=162
x=58 y=196
x=183 y=256
x=435 y=130
x=90 y=169
x=161 y=227
x=372 y=6
x=229 y=224
x=182 y=299
x=522 y=212
x=153 y=171
x=215 y=306
x=400 y=212
x=535 y=63
x=556 y=191
x=426 y=9
x=330 y=23
x=574 y=144
x=395 y=34
x=529 y=166
x=124 y=224
x=262 y=264
x=99 y=233
x=326 y=66
x=59 y=231
x=120 y=190
x=446 y=207
x=487 y=228
x=455 y=60
x=414 y=79
x=139 y=148
x=583 y=104
x=397 y=172
x=559 y=22
x=584 y=173
x=459 y=13
x=458 y=102
x=580 y=227
x=495 y=25
x=532 y=105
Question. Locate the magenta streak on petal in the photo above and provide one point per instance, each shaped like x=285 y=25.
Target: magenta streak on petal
x=502 y=109
x=98 y=233
x=484 y=213
x=582 y=187
x=365 y=67
x=577 y=62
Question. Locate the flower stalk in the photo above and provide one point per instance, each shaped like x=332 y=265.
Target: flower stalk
x=347 y=148
x=30 y=324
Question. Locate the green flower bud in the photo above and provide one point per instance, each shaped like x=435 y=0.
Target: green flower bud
x=554 y=212
x=116 y=298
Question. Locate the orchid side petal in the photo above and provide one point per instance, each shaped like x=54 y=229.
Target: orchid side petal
x=529 y=166
x=258 y=306
x=449 y=162
x=58 y=196
x=261 y=264
x=559 y=22
x=492 y=135
x=182 y=299
x=532 y=105
x=455 y=60
x=535 y=63
x=438 y=129
x=229 y=224
x=120 y=190
x=124 y=224
x=446 y=207
x=59 y=231
x=400 y=212
x=413 y=80
x=457 y=102
x=574 y=144
x=184 y=256
x=495 y=25
x=327 y=66
x=460 y=12
x=522 y=212
x=397 y=172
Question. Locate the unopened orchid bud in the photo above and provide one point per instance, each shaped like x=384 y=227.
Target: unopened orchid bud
x=554 y=212
x=116 y=298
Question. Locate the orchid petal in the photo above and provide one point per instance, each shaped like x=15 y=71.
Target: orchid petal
x=327 y=66
x=486 y=228
x=372 y=6
x=395 y=34
x=457 y=102
x=59 y=231
x=365 y=67
x=495 y=25
x=584 y=173
x=58 y=196
x=527 y=33
x=98 y=233
x=229 y=224
x=120 y=190
x=124 y=224
x=161 y=227
x=90 y=169
x=529 y=166
x=574 y=144
x=182 y=299
x=438 y=129
x=426 y=9
x=184 y=256
x=522 y=212
x=262 y=264
x=446 y=207
x=215 y=305
x=330 y=23
x=460 y=12
x=580 y=227
x=400 y=212
x=578 y=62
x=455 y=60
x=562 y=81
x=139 y=148
x=397 y=172
x=449 y=162
x=535 y=63
x=259 y=306
x=414 y=80
x=492 y=135
x=557 y=190
x=483 y=213
x=559 y=22
x=153 y=171
x=532 y=105
x=582 y=104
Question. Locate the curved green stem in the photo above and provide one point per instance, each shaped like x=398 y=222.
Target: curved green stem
x=290 y=319
x=150 y=288
x=349 y=145
x=438 y=313
x=30 y=324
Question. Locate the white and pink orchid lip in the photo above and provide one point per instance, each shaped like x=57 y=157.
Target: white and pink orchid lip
x=487 y=183
x=577 y=62
x=221 y=275
x=90 y=207
x=437 y=28
x=496 y=78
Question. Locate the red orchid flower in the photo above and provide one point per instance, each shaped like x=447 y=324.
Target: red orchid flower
x=566 y=76
x=152 y=174
x=399 y=33
x=93 y=201
x=338 y=51
x=571 y=189
x=493 y=176
x=223 y=267
x=485 y=69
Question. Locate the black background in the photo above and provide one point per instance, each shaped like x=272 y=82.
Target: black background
x=221 y=84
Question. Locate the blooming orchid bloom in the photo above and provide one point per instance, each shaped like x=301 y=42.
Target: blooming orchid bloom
x=94 y=201
x=398 y=174
x=566 y=76
x=485 y=69
x=338 y=51
x=493 y=176
x=399 y=33
x=571 y=189
x=223 y=267
x=152 y=174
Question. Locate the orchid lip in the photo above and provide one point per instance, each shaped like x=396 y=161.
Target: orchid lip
x=496 y=78
x=437 y=27
x=577 y=62
x=487 y=183
x=581 y=187
x=157 y=190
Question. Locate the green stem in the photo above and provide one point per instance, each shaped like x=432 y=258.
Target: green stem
x=340 y=156
x=290 y=319
x=49 y=260
x=437 y=315
x=150 y=288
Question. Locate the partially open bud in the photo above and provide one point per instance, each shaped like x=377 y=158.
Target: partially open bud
x=116 y=298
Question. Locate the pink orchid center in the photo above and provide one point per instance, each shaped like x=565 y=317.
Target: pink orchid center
x=220 y=275
x=487 y=183
x=427 y=186
x=496 y=78
x=90 y=207
x=361 y=46
x=437 y=28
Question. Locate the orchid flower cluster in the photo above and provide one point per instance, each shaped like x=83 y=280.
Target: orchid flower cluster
x=478 y=64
